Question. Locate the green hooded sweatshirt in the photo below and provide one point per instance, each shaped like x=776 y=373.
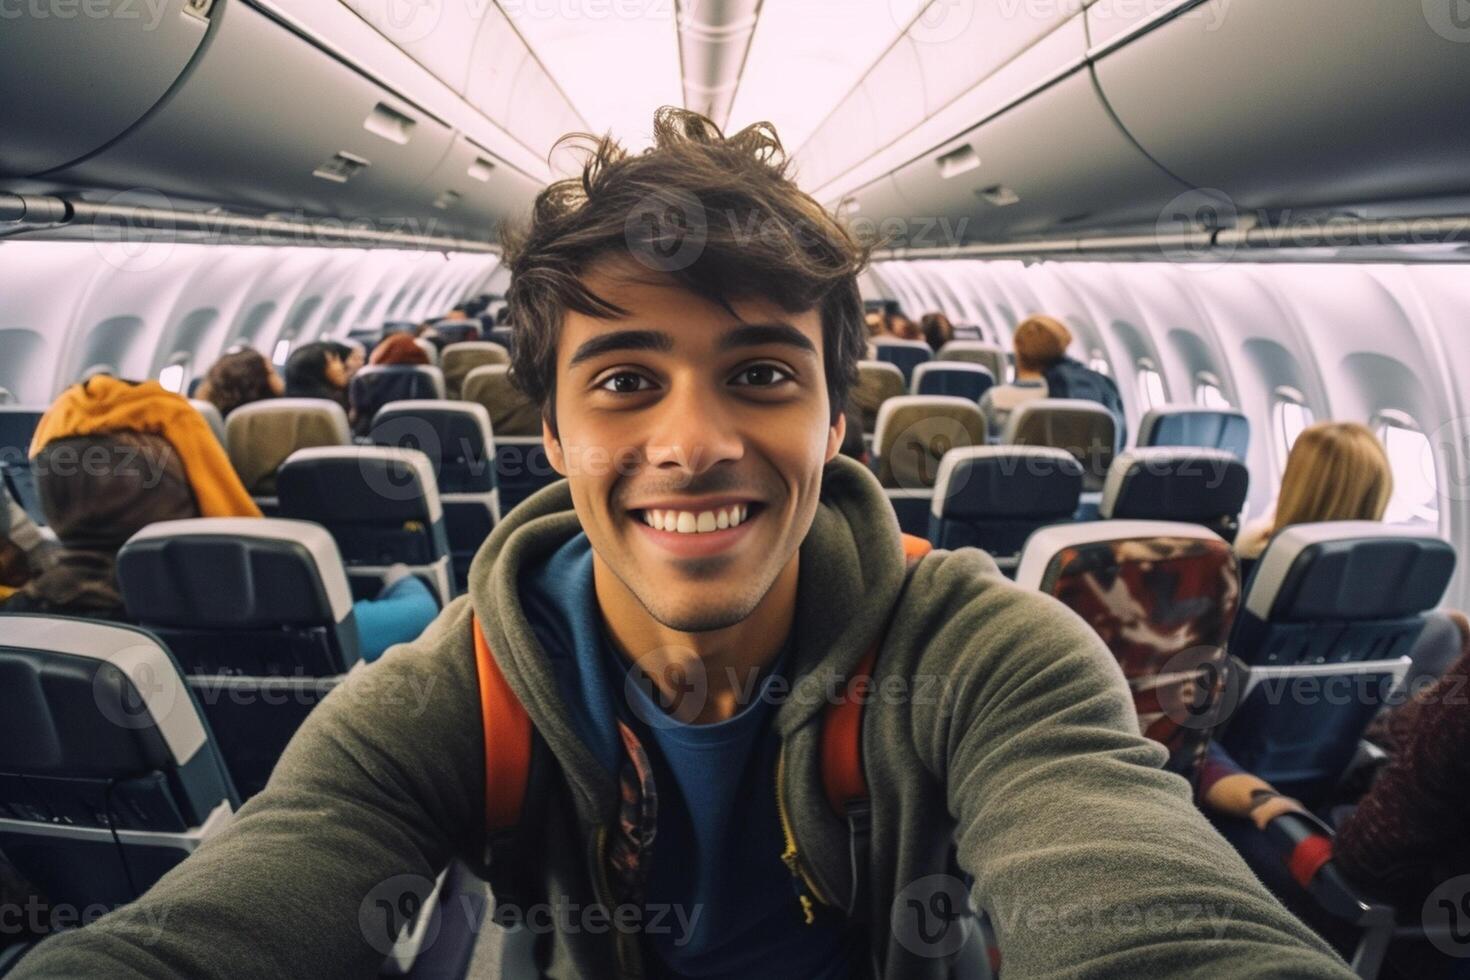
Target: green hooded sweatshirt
x=999 y=727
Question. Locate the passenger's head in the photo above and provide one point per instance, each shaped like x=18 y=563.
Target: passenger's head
x=873 y=320
x=99 y=490
x=352 y=354
x=1040 y=341
x=399 y=348
x=937 y=329
x=689 y=322
x=1336 y=471
x=239 y=378
x=900 y=326
x=315 y=371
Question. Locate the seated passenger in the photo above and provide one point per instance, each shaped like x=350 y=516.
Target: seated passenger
x=1037 y=347
x=674 y=618
x=352 y=354
x=110 y=458
x=398 y=348
x=25 y=550
x=1067 y=377
x=239 y=378
x=317 y=370
x=1336 y=471
x=937 y=330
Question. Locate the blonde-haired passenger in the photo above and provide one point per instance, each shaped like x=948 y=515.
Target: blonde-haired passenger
x=1336 y=471
x=1039 y=342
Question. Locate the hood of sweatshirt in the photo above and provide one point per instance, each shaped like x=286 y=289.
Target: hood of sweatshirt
x=852 y=570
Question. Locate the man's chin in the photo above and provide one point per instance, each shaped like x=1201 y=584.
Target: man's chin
x=698 y=617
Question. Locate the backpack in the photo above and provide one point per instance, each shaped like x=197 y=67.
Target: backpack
x=1070 y=378
x=514 y=764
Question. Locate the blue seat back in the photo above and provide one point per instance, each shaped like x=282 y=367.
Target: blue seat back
x=17 y=427
x=970 y=381
x=1334 y=606
x=109 y=774
x=1188 y=425
x=904 y=354
x=1202 y=486
x=455 y=435
x=994 y=497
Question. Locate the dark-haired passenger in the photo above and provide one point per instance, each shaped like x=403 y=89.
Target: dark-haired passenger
x=239 y=378
x=317 y=370
x=731 y=545
x=937 y=330
x=365 y=399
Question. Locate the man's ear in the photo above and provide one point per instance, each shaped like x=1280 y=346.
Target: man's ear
x=552 y=444
x=836 y=433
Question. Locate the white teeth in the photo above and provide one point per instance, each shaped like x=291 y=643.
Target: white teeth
x=702 y=522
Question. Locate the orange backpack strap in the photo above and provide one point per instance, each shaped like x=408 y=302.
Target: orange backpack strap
x=507 y=741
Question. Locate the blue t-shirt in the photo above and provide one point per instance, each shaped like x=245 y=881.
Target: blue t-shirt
x=720 y=902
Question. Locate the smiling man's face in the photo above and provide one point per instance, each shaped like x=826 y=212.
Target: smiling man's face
x=693 y=441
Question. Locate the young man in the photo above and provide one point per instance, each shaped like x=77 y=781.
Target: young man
x=675 y=618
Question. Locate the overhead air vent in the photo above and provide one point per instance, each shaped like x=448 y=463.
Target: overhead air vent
x=389 y=123
x=341 y=168
x=999 y=195
x=956 y=162
x=480 y=170
x=446 y=200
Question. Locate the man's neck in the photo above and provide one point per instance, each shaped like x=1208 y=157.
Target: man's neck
x=705 y=677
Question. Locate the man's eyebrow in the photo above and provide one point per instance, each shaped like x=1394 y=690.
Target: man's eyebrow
x=622 y=340
x=756 y=334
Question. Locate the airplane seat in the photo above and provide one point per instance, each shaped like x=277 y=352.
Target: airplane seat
x=458 y=439
x=212 y=416
x=380 y=504
x=970 y=381
x=1085 y=429
x=878 y=381
x=109 y=773
x=259 y=436
x=398 y=326
x=1336 y=605
x=1163 y=596
x=1163 y=483
x=258 y=613
x=17 y=428
x=430 y=349
x=459 y=359
x=904 y=354
x=914 y=432
x=20 y=482
x=378 y=384
x=976 y=352
x=1191 y=425
x=521 y=466
x=455 y=332
x=994 y=497
x=503 y=336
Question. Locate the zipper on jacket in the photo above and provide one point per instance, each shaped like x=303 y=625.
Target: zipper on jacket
x=624 y=945
x=807 y=889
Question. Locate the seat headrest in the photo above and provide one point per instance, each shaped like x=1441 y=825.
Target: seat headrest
x=958 y=377
x=913 y=433
x=87 y=699
x=984 y=482
x=1349 y=570
x=378 y=484
x=212 y=416
x=1044 y=545
x=511 y=412
x=392 y=382
x=240 y=572
x=475 y=351
x=260 y=435
x=1060 y=418
x=1192 y=425
x=1175 y=484
x=17 y=427
x=455 y=435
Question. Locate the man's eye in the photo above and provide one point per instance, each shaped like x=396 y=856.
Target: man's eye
x=625 y=382
x=761 y=376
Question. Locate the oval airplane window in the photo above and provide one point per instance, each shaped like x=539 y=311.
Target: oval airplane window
x=1289 y=416
x=282 y=351
x=1415 y=497
x=1207 y=393
x=172 y=377
x=1150 y=385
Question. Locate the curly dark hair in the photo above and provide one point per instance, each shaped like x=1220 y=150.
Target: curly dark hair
x=720 y=214
x=236 y=379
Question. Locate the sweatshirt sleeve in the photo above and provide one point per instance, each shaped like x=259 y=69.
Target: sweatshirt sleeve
x=369 y=801
x=1091 y=860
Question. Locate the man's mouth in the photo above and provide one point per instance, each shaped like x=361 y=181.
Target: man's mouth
x=701 y=520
